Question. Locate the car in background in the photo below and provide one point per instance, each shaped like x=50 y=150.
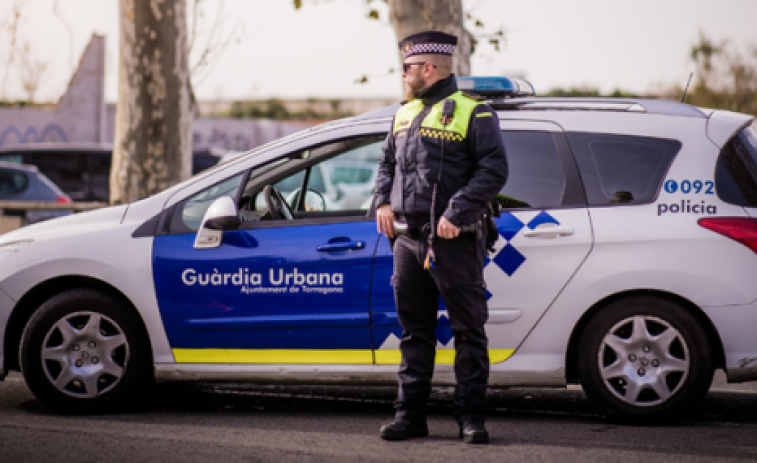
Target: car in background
x=81 y=170
x=26 y=183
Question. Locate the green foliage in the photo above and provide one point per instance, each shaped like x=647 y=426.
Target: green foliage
x=724 y=79
x=25 y=104
x=273 y=108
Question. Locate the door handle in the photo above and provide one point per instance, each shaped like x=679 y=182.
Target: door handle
x=545 y=231
x=344 y=246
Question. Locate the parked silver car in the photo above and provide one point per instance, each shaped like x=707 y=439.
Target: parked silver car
x=20 y=182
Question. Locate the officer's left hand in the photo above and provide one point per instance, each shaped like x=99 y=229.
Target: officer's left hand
x=446 y=229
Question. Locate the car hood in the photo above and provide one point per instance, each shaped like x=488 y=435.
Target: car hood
x=70 y=224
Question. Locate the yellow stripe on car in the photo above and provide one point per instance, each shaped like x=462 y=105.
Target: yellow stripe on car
x=316 y=356
x=275 y=356
x=443 y=356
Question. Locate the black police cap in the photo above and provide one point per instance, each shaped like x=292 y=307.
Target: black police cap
x=428 y=42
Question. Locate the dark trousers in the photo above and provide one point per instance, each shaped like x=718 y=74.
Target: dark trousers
x=458 y=278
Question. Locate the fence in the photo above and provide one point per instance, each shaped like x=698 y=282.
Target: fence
x=12 y=222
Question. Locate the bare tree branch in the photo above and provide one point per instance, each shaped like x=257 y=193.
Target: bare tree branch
x=13 y=28
x=57 y=13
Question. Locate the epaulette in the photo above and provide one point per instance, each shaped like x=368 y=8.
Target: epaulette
x=473 y=96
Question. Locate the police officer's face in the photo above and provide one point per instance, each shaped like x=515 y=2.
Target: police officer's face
x=414 y=77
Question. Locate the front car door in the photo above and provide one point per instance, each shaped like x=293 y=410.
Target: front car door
x=274 y=291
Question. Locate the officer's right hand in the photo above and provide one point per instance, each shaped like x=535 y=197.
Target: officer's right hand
x=385 y=220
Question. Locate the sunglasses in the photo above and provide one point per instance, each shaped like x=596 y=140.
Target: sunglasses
x=406 y=66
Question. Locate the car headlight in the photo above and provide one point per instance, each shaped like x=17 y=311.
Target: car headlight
x=6 y=249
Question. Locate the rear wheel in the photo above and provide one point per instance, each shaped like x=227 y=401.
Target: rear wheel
x=84 y=351
x=645 y=358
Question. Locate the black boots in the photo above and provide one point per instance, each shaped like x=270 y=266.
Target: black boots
x=474 y=432
x=402 y=430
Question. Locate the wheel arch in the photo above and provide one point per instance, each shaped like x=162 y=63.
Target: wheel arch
x=30 y=302
x=571 y=354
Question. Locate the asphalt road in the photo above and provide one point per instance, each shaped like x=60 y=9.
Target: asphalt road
x=249 y=423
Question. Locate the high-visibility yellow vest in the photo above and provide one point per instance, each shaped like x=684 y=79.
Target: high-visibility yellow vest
x=456 y=130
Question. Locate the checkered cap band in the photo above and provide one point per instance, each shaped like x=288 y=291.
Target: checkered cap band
x=423 y=48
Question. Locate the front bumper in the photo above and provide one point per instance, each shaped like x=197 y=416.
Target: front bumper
x=6 y=306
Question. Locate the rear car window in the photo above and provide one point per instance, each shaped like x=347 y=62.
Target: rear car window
x=535 y=178
x=12 y=182
x=736 y=170
x=622 y=169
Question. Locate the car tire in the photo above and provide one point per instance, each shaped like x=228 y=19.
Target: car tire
x=84 y=351
x=645 y=358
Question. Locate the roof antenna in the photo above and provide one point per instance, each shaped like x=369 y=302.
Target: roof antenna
x=683 y=97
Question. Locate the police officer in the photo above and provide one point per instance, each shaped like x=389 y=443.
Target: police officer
x=440 y=168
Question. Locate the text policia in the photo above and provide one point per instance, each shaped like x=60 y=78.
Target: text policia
x=695 y=188
x=686 y=207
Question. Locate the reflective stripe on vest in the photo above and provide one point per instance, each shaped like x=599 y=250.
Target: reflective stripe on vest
x=431 y=126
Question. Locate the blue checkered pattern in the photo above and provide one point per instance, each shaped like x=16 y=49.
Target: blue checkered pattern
x=507 y=258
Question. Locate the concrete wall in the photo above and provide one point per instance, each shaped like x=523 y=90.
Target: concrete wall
x=82 y=116
x=226 y=134
x=78 y=117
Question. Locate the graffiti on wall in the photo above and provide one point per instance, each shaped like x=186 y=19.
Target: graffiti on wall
x=50 y=133
x=220 y=139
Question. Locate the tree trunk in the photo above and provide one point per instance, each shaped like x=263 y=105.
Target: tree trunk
x=152 y=149
x=413 y=16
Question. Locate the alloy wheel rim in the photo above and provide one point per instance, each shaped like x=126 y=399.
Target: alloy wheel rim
x=85 y=354
x=643 y=361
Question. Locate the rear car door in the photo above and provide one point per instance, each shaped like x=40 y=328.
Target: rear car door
x=545 y=235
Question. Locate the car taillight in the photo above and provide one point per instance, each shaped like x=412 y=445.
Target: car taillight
x=741 y=229
x=63 y=200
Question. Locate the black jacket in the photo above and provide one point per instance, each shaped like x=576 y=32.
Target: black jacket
x=474 y=169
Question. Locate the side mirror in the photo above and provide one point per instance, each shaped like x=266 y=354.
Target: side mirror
x=221 y=215
x=223 y=223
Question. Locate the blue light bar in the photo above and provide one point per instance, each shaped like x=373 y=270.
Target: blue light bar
x=494 y=87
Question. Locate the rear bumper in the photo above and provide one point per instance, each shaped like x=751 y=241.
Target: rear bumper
x=737 y=327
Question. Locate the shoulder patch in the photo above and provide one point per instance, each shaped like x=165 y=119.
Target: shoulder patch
x=473 y=96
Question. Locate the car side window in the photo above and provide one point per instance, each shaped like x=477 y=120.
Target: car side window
x=187 y=215
x=536 y=179
x=12 y=182
x=622 y=169
x=736 y=170
x=336 y=177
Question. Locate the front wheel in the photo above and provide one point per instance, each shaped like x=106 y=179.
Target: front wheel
x=645 y=358
x=84 y=351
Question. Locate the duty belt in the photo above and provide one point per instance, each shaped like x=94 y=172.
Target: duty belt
x=403 y=228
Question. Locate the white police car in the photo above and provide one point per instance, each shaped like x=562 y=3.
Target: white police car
x=626 y=263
